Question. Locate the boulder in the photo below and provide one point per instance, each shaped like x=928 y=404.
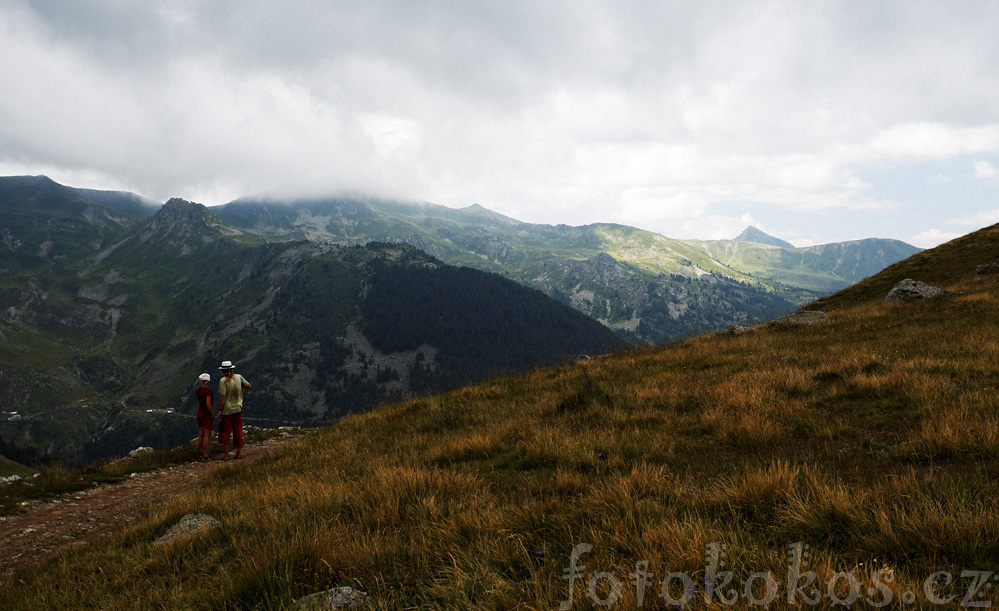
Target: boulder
x=188 y=526
x=912 y=290
x=140 y=451
x=337 y=598
x=804 y=317
x=988 y=269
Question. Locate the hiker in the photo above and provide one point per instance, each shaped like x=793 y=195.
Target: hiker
x=206 y=415
x=231 y=409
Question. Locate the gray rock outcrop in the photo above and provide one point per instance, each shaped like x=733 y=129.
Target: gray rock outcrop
x=335 y=598
x=140 y=451
x=912 y=290
x=988 y=269
x=190 y=525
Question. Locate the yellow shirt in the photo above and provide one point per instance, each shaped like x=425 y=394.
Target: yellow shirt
x=233 y=391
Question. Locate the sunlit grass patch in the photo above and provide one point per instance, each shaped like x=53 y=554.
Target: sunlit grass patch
x=956 y=430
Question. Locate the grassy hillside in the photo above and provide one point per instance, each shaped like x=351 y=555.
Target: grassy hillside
x=873 y=440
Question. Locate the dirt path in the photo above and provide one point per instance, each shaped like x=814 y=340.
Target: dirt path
x=50 y=527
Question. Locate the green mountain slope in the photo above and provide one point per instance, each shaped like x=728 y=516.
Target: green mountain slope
x=45 y=223
x=105 y=329
x=853 y=461
x=823 y=269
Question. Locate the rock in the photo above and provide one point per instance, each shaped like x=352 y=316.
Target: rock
x=735 y=330
x=188 y=526
x=911 y=290
x=140 y=451
x=9 y=480
x=336 y=598
x=804 y=317
x=988 y=269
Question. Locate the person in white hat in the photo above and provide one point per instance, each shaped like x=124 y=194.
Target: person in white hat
x=206 y=414
x=231 y=409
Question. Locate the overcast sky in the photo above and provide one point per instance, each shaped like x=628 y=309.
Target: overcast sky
x=817 y=121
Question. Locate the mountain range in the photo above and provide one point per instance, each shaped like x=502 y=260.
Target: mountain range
x=112 y=304
x=647 y=287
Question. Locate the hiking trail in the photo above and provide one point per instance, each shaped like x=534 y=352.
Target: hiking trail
x=49 y=527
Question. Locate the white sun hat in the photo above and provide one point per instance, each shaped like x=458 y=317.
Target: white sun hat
x=227 y=365
x=204 y=377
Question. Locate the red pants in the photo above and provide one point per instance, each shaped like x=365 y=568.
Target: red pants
x=232 y=423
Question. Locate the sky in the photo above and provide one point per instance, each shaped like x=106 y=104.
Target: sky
x=816 y=121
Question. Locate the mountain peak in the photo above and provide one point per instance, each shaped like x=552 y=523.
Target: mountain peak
x=35 y=191
x=34 y=181
x=179 y=210
x=180 y=218
x=176 y=204
x=752 y=234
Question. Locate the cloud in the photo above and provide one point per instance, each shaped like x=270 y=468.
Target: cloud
x=706 y=227
x=647 y=113
x=979 y=219
x=935 y=140
x=932 y=237
x=986 y=170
